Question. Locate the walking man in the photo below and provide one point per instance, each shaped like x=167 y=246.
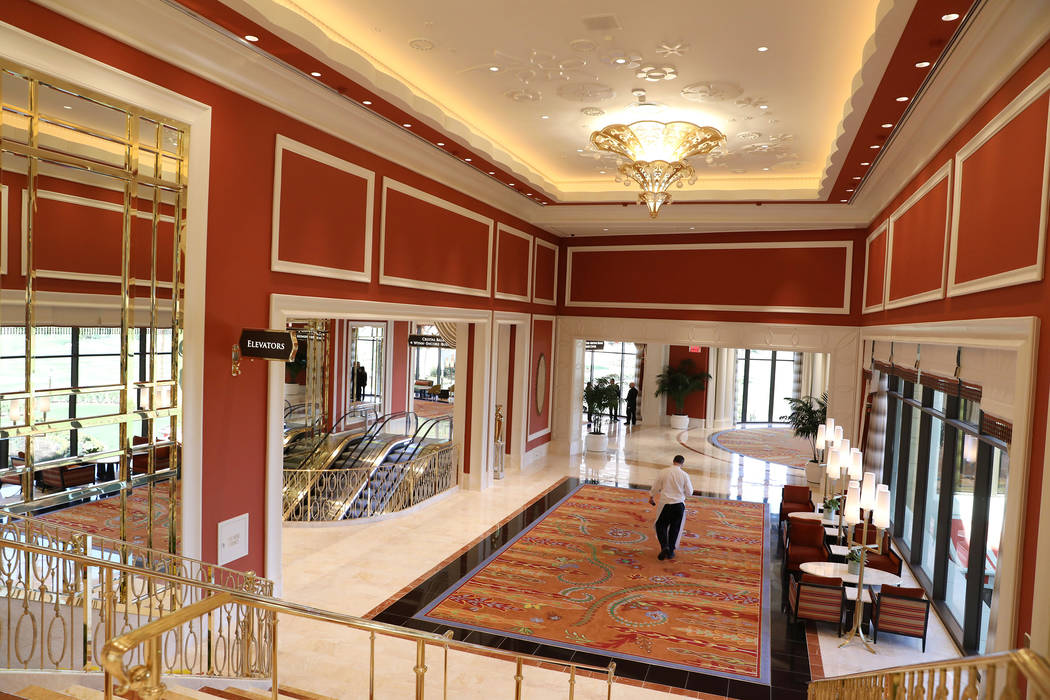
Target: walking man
x=632 y=404
x=670 y=489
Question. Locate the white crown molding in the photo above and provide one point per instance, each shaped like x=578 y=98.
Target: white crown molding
x=391 y=184
x=554 y=289
x=881 y=230
x=943 y=173
x=182 y=40
x=1032 y=273
x=670 y=247
x=997 y=41
x=503 y=228
x=276 y=263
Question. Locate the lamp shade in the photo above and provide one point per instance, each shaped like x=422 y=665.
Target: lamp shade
x=844 y=445
x=833 y=463
x=969 y=449
x=822 y=431
x=838 y=435
x=851 y=512
x=43 y=404
x=855 y=465
x=867 y=492
x=882 y=509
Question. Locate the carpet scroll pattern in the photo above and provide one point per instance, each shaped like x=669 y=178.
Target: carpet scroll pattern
x=586 y=576
x=778 y=445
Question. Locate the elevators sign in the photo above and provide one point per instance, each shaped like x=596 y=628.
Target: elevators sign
x=268 y=345
x=418 y=340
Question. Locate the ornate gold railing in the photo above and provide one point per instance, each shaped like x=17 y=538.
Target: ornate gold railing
x=58 y=606
x=15 y=527
x=363 y=492
x=991 y=677
x=145 y=678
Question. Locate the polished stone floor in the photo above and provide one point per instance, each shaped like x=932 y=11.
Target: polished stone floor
x=367 y=568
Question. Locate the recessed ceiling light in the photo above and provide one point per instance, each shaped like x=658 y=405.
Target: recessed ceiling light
x=468 y=159
x=601 y=172
x=315 y=74
x=765 y=168
x=67 y=107
x=887 y=125
x=528 y=194
x=407 y=125
x=950 y=17
x=763 y=49
x=544 y=116
x=922 y=64
x=493 y=68
x=873 y=146
x=621 y=61
x=843 y=200
x=605 y=229
x=367 y=102
x=579 y=150
x=856 y=177
x=251 y=37
x=441 y=143
x=763 y=106
x=902 y=99
x=850 y=189
x=492 y=172
x=692 y=228
x=865 y=163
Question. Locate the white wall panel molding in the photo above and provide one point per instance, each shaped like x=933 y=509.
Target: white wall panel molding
x=1031 y=273
x=551 y=367
x=276 y=263
x=503 y=228
x=880 y=231
x=554 y=287
x=943 y=172
x=4 y=211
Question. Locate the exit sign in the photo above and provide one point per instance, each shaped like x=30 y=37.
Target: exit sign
x=694 y=348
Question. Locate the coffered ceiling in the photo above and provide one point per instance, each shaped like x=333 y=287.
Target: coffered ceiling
x=522 y=85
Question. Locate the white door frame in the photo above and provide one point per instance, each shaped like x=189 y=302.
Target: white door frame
x=518 y=424
x=285 y=306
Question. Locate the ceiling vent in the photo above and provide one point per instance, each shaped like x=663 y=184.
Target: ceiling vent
x=601 y=23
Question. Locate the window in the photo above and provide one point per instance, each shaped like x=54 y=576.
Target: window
x=624 y=361
x=436 y=364
x=765 y=379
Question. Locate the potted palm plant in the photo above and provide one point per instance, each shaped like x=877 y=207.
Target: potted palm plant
x=678 y=383
x=808 y=413
x=597 y=398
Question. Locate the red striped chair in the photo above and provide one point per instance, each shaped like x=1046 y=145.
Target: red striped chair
x=817 y=598
x=901 y=611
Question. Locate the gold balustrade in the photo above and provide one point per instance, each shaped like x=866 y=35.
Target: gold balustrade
x=326 y=494
x=1001 y=676
x=58 y=605
x=55 y=536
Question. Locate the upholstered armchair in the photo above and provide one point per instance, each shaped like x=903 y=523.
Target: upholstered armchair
x=140 y=462
x=903 y=611
x=795 y=499
x=885 y=558
x=805 y=543
x=817 y=598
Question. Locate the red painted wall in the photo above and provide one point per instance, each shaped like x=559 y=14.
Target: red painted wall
x=917 y=245
x=695 y=404
x=512 y=264
x=239 y=280
x=542 y=344
x=399 y=371
x=990 y=219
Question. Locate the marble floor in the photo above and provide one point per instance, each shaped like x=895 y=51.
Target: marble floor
x=360 y=568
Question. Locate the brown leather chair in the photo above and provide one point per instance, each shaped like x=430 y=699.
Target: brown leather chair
x=795 y=499
x=140 y=462
x=806 y=543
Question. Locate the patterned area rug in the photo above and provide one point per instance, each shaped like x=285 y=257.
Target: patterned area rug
x=585 y=576
x=102 y=517
x=767 y=444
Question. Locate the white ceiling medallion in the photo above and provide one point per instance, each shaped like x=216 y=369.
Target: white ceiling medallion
x=749 y=135
x=583 y=45
x=667 y=49
x=585 y=92
x=711 y=91
x=655 y=74
x=591 y=111
x=421 y=44
x=523 y=95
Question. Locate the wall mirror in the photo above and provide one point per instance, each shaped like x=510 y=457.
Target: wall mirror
x=541 y=383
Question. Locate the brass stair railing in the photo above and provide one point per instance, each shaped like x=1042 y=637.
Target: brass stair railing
x=1001 y=676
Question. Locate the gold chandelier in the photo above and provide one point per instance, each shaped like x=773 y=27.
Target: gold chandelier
x=657 y=152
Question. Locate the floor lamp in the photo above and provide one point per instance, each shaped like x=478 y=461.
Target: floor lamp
x=874 y=500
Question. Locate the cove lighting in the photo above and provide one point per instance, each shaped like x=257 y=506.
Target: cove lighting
x=251 y=37
x=950 y=17
x=922 y=64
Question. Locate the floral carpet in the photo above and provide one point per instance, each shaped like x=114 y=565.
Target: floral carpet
x=586 y=576
x=777 y=445
x=102 y=516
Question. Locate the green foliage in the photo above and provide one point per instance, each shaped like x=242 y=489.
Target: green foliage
x=807 y=415
x=855 y=554
x=832 y=504
x=681 y=381
x=598 y=397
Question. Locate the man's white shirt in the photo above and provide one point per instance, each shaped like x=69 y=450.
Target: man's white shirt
x=672 y=485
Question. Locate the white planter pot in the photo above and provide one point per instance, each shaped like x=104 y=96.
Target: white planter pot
x=814 y=472
x=597 y=443
x=680 y=422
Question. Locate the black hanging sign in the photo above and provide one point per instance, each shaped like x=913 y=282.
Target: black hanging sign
x=594 y=344
x=417 y=340
x=268 y=345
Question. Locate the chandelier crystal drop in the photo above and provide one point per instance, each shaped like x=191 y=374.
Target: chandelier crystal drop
x=657 y=152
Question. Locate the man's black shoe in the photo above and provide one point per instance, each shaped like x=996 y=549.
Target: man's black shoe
x=662 y=555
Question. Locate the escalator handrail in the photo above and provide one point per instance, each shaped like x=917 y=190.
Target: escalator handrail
x=426 y=429
x=377 y=429
x=328 y=434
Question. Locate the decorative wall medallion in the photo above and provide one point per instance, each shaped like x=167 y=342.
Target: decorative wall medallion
x=421 y=44
x=585 y=92
x=541 y=383
x=523 y=95
x=592 y=112
x=711 y=91
x=583 y=45
x=667 y=48
x=749 y=135
x=623 y=59
x=655 y=74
